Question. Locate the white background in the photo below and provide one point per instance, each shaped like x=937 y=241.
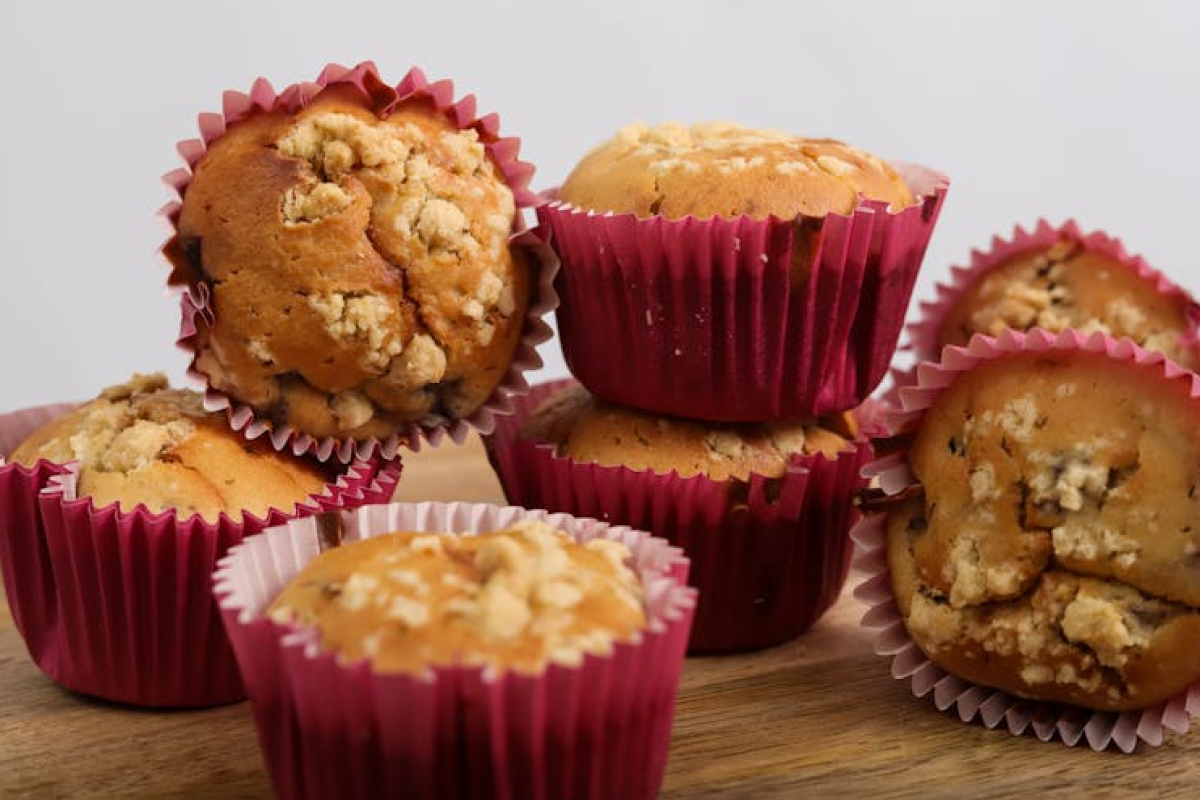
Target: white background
x=1056 y=109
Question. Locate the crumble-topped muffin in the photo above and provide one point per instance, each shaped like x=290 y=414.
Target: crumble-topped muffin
x=142 y=442
x=727 y=170
x=586 y=428
x=1050 y=547
x=517 y=598
x=359 y=267
x=1067 y=285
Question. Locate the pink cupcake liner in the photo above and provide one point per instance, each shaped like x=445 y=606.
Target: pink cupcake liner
x=769 y=556
x=921 y=335
x=1073 y=726
x=197 y=312
x=19 y=487
x=118 y=604
x=706 y=314
x=330 y=729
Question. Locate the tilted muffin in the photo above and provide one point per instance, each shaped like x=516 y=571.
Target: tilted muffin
x=142 y=442
x=359 y=265
x=517 y=598
x=727 y=170
x=588 y=429
x=1067 y=284
x=1048 y=546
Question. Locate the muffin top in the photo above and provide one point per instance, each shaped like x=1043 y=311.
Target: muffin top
x=142 y=442
x=360 y=269
x=1066 y=285
x=586 y=428
x=723 y=169
x=517 y=598
x=1050 y=547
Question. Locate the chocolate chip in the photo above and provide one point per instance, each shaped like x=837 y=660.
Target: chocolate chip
x=184 y=253
x=874 y=500
x=330 y=530
x=806 y=244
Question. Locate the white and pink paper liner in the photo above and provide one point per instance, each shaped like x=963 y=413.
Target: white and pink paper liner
x=921 y=335
x=340 y=731
x=195 y=300
x=969 y=701
x=769 y=555
x=707 y=318
x=118 y=603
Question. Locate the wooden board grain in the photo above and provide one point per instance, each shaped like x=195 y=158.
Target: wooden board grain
x=817 y=717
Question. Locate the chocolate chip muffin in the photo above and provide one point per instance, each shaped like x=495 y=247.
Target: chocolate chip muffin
x=728 y=170
x=1068 y=285
x=359 y=266
x=587 y=429
x=142 y=442
x=517 y=598
x=1049 y=547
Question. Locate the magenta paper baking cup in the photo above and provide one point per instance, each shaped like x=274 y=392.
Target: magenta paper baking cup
x=197 y=312
x=19 y=487
x=118 y=604
x=716 y=319
x=339 y=731
x=1073 y=726
x=922 y=335
x=769 y=555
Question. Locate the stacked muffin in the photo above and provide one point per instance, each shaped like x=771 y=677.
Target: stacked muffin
x=729 y=297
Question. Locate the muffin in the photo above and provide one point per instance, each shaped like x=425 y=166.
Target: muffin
x=519 y=598
x=1057 y=277
x=763 y=510
x=723 y=169
x=587 y=429
x=141 y=442
x=350 y=248
x=1043 y=541
x=518 y=665
x=112 y=517
x=743 y=275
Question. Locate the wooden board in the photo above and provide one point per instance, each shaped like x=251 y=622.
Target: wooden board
x=817 y=717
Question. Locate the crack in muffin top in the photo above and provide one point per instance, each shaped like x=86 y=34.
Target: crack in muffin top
x=360 y=267
x=1052 y=549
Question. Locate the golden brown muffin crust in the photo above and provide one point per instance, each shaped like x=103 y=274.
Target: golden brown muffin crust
x=360 y=268
x=722 y=169
x=588 y=429
x=1053 y=550
x=517 y=598
x=142 y=442
x=1067 y=286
